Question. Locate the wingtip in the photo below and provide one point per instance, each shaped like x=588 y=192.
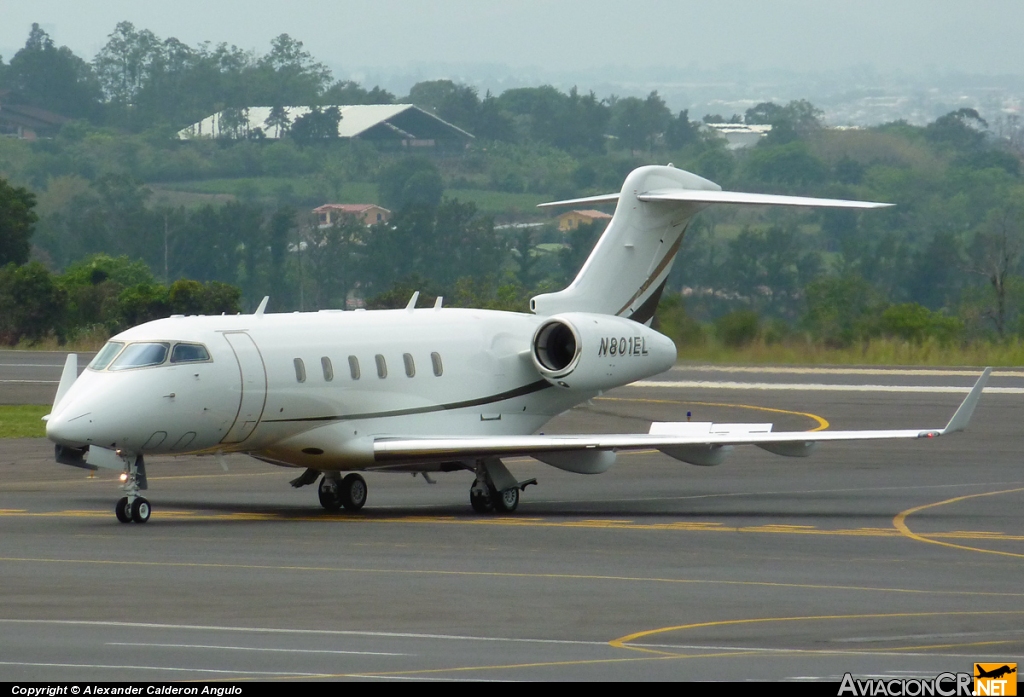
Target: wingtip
x=963 y=414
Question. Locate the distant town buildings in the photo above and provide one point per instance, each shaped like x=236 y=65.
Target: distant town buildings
x=400 y=124
x=368 y=213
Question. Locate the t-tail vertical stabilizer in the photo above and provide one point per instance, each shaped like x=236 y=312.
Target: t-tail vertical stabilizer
x=625 y=273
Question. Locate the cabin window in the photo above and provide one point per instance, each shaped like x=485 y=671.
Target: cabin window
x=382 y=366
x=353 y=367
x=141 y=355
x=435 y=359
x=300 y=370
x=410 y=365
x=106 y=354
x=189 y=353
x=325 y=363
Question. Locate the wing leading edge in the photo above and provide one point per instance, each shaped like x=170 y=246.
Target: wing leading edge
x=668 y=437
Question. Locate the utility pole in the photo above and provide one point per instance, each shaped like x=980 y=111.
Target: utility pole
x=167 y=279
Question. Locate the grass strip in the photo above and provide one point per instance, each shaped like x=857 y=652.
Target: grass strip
x=23 y=421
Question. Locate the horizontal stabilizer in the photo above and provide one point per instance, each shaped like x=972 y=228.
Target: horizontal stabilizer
x=703 y=196
x=603 y=198
x=738 y=197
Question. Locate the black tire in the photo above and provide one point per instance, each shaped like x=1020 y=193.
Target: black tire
x=353 y=492
x=506 y=501
x=481 y=503
x=122 y=512
x=330 y=496
x=140 y=510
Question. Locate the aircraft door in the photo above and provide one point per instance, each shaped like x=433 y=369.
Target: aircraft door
x=254 y=386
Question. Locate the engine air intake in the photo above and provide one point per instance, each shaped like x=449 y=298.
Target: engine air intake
x=556 y=348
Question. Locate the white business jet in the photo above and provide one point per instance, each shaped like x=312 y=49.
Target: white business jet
x=421 y=389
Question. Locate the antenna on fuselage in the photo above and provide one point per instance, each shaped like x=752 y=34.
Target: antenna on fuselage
x=263 y=306
x=412 y=301
x=437 y=303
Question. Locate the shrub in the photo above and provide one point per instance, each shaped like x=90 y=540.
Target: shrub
x=738 y=328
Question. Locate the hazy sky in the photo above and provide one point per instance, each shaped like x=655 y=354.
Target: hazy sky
x=913 y=35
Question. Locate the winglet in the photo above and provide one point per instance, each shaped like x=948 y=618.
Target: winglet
x=963 y=414
x=263 y=306
x=67 y=378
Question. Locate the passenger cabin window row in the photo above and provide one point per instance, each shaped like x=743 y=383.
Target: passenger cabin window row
x=353 y=366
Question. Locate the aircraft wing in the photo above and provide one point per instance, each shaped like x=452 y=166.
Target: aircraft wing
x=691 y=442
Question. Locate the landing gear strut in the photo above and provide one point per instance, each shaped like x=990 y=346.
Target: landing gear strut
x=495 y=490
x=350 y=492
x=133 y=507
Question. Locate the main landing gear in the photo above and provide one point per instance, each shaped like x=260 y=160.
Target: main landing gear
x=350 y=492
x=495 y=490
x=132 y=507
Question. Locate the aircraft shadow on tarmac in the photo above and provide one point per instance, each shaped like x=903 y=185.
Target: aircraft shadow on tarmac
x=739 y=514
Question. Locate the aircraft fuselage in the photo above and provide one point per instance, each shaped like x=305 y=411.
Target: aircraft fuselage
x=291 y=387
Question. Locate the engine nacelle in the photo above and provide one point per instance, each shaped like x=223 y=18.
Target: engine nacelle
x=585 y=351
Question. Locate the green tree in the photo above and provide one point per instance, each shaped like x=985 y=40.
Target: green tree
x=347 y=92
x=841 y=309
x=915 y=323
x=278 y=120
x=962 y=130
x=233 y=123
x=53 y=78
x=31 y=304
x=638 y=122
x=288 y=74
x=317 y=125
x=188 y=297
x=410 y=181
x=143 y=303
x=680 y=131
x=124 y=62
x=17 y=221
x=792 y=163
x=996 y=255
x=738 y=328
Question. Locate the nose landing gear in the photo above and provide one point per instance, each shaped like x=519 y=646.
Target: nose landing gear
x=133 y=507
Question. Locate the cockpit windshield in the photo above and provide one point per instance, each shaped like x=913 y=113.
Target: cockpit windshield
x=141 y=355
x=119 y=355
x=106 y=354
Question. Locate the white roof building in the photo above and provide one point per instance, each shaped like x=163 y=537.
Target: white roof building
x=739 y=135
x=394 y=122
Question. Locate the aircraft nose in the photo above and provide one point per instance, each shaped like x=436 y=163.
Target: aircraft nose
x=69 y=427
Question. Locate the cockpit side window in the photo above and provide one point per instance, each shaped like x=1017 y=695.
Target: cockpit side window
x=106 y=354
x=189 y=353
x=141 y=355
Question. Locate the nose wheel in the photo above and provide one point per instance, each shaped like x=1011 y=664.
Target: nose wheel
x=136 y=511
x=133 y=508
